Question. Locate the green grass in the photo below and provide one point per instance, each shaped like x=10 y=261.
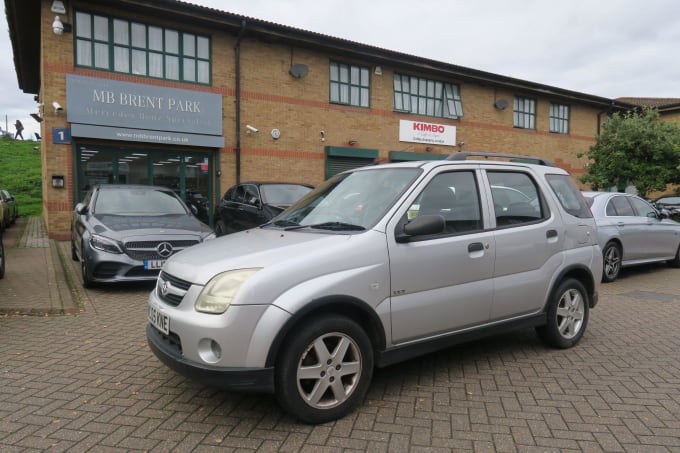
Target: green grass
x=20 y=174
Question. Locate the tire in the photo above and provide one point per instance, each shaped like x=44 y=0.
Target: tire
x=611 y=257
x=675 y=262
x=332 y=386
x=85 y=269
x=74 y=252
x=567 y=315
x=220 y=228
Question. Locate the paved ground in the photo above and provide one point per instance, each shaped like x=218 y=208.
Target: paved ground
x=86 y=381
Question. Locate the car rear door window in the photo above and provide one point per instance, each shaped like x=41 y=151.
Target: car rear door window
x=621 y=207
x=515 y=198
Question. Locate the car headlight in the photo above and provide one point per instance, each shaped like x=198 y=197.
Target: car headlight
x=221 y=289
x=105 y=244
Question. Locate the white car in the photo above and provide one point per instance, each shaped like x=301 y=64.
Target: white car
x=631 y=232
x=378 y=265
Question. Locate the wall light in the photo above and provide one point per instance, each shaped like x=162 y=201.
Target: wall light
x=352 y=142
x=58 y=181
x=60 y=27
x=36 y=117
x=378 y=70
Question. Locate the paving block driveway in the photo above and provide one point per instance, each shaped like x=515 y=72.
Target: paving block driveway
x=88 y=382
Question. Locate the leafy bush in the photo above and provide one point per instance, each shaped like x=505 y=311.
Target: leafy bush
x=20 y=174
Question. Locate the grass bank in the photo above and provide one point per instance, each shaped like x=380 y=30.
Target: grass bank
x=21 y=175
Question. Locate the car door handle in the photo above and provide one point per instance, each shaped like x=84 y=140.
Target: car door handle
x=551 y=234
x=475 y=247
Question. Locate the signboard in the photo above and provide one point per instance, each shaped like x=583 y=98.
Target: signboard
x=61 y=135
x=430 y=133
x=146 y=136
x=126 y=106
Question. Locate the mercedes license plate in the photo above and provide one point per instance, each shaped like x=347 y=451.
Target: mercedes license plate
x=153 y=264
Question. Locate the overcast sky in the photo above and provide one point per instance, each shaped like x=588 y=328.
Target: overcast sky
x=608 y=48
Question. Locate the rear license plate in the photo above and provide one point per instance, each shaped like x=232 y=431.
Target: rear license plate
x=153 y=264
x=158 y=319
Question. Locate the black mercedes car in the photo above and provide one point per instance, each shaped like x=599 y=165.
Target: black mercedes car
x=251 y=204
x=126 y=232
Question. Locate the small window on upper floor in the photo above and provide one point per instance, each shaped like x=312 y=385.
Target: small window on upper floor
x=524 y=113
x=350 y=84
x=426 y=97
x=119 y=45
x=559 y=118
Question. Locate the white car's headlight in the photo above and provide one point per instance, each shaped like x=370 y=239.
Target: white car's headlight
x=103 y=243
x=221 y=289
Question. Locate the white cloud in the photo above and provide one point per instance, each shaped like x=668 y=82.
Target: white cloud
x=608 y=48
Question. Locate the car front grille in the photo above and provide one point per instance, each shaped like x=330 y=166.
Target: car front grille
x=171 y=289
x=147 y=250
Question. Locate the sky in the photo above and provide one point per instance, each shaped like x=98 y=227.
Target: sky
x=607 y=48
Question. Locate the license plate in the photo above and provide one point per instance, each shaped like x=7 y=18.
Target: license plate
x=158 y=319
x=153 y=264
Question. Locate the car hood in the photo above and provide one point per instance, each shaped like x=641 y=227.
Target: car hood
x=119 y=226
x=261 y=248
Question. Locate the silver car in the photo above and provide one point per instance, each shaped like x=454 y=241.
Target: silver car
x=376 y=266
x=631 y=232
x=126 y=232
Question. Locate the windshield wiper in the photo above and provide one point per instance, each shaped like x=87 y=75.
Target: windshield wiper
x=336 y=226
x=281 y=223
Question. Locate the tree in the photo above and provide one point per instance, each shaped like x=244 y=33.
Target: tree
x=636 y=148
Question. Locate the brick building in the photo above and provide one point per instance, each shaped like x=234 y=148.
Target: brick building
x=165 y=92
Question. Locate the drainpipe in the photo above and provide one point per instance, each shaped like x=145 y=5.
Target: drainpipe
x=237 y=56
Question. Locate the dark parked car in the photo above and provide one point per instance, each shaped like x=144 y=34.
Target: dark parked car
x=252 y=204
x=12 y=207
x=197 y=203
x=126 y=232
x=670 y=202
x=631 y=231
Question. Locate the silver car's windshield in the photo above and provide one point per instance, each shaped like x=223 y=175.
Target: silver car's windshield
x=350 y=201
x=138 y=202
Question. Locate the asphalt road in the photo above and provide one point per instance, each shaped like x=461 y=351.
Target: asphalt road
x=88 y=382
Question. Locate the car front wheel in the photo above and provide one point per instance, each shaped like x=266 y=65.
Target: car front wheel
x=325 y=369
x=612 y=262
x=675 y=262
x=567 y=315
x=85 y=269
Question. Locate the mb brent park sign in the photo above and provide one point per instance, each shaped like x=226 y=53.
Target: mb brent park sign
x=114 y=110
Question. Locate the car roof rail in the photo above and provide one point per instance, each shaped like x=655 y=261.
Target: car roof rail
x=513 y=157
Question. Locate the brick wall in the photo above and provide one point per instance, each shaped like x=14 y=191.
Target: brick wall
x=300 y=109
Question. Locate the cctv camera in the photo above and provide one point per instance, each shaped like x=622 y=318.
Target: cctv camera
x=57 y=106
x=251 y=128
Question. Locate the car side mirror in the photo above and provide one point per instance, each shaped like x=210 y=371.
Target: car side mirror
x=423 y=225
x=664 y=213
x=81 y=209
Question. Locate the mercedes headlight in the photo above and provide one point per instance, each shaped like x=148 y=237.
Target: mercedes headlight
x=221 y=289
x=105 y=244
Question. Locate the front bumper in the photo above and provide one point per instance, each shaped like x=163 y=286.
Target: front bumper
x=251 y=379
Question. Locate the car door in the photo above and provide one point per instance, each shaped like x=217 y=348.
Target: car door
x=231 y=207
x=529 y=237
x=442 y=282
x=661 y=236
x=632 y=228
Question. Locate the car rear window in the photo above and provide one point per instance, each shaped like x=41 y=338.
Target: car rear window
x=569 y=196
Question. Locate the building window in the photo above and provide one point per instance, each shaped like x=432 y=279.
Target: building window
x=134 y=48
x=559 y=118
x=426 y=97
x=524 y=113
x=350 y=85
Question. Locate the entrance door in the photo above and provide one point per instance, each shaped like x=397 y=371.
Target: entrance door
x=188 y=173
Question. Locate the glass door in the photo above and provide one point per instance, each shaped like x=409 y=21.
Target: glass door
x=187 y=173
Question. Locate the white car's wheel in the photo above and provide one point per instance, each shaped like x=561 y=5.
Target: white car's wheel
x=567 y=315
x=325 y=369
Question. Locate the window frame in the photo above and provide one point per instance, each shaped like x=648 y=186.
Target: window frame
x=352 y=85
x=521 y=115
x=122 y=52
x=559 y=118
x=427 y=97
